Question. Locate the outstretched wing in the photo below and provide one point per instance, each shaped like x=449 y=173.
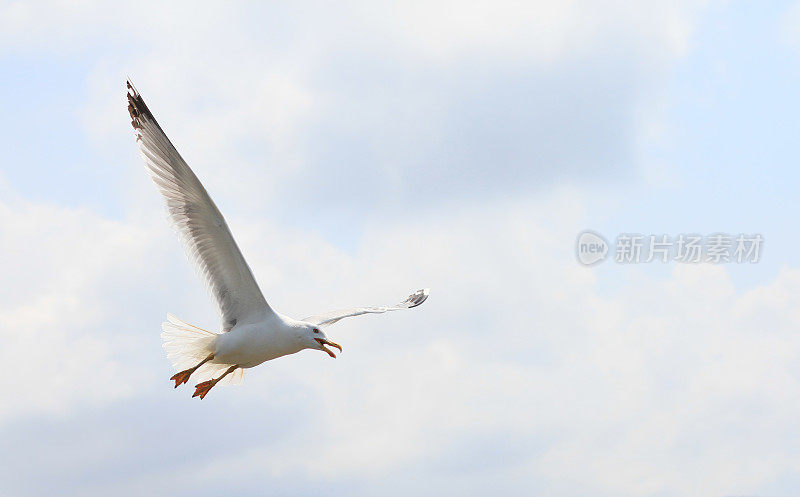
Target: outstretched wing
x=201 y=227
x=413 y=300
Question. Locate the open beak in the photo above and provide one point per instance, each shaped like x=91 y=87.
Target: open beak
x=324 y=341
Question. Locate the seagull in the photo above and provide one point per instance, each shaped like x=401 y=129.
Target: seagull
x=251 y=332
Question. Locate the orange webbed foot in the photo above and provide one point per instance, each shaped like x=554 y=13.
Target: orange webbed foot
x=201 y=389
x=182 y=377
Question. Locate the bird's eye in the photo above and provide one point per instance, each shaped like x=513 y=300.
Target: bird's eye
x=316 y=330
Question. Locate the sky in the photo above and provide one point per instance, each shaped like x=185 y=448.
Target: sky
x=362 y=150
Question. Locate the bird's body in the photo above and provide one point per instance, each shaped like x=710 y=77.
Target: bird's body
x=251 y=344
x=252 y=333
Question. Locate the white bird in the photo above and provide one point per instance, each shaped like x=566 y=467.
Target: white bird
x=252 y=332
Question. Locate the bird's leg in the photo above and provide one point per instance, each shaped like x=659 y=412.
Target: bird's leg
x=201 y=389
x=183 y=376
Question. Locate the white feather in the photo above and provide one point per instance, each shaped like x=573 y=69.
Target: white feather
x=200 y=225
x=329 y=318
x=255 y=333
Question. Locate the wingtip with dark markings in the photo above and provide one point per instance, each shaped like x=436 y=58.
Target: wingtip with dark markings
x=136 y=106
x=417 y=298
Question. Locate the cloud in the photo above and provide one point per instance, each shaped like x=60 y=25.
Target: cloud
x=359 y=152
x=65 y=302
x=385 y=106
x=518 y=373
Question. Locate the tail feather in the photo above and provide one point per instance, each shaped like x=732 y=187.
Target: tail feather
x=186 y=345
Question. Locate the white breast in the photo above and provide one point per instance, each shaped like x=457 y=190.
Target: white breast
x=250 y=345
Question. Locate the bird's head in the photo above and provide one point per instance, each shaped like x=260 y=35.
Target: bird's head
x=314 y=338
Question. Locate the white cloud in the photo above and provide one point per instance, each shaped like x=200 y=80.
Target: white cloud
x=657 y=389
x=59 y=331
x=518 y=355
x=520 y=374
x=537 y=30
x=386 y=105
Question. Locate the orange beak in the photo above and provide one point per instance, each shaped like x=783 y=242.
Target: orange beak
x=324 y=341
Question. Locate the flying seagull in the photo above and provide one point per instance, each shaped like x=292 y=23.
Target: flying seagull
x=252 y=332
